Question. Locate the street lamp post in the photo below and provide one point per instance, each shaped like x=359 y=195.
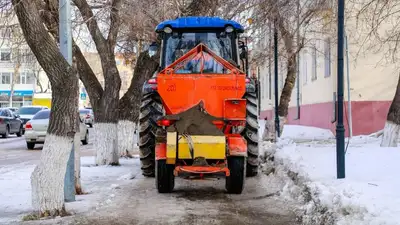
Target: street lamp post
x=66 y=51
x=340 y=154
x=276 y=80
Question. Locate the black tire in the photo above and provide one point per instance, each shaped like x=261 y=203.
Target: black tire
x=91 y=125
x=86 y=140
x=30 y=145
x=235 y=182
x=19 y=134
x=5 y=135
x=165 y=179
x=151 y=110
x=250 y=133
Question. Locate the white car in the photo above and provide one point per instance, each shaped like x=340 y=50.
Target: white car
x=26 y=113
x=36 y=129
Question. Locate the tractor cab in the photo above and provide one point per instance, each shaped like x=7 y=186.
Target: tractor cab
x=221 y=36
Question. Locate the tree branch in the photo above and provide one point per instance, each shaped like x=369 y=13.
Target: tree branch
x=114 y=24
x=91 y=23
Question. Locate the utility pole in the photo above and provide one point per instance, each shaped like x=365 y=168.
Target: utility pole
x=276 y=79
x=66 y=51
x=340 y=154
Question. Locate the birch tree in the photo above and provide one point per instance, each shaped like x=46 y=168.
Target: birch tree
x=48 y=176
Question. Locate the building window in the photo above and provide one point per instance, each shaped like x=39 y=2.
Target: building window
x=270 y=84
x=327 y=55
x=21 y=78
x=5 y=55
x=5 y=33
x=5 y=78
x=314 y=63
x=30 y=78
x=28 y=56
x=305 y=67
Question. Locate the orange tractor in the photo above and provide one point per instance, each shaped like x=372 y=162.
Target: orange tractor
x=199 y=116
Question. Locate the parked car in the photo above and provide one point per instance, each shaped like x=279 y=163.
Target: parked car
x=13 y=109
x=26 y=113
x=87 y=116
x=36 y=129
x=9 y=123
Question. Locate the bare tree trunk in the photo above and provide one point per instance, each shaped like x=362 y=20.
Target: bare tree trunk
x=129 y=104
x=392 y=125
x=283 y=108
x=106 y=114
x=48 y=177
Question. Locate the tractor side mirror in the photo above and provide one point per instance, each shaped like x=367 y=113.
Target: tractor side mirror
x=153 y=48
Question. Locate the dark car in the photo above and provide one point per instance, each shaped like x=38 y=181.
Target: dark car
x=9 y=123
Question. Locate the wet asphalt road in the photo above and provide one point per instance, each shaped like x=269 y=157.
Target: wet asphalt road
x=13 y=150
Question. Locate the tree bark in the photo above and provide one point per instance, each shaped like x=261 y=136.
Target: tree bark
x=48 y=177
x=392 y=125
x=106 y=114
x=129 y=104
x=283 y=108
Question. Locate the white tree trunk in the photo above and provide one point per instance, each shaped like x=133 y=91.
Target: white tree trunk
x=106 y=143
x=270 y=131
x=47 y=179
x=126 y=137
x=390 y=134
x=77 y=146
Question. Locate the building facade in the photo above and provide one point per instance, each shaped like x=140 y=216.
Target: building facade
x=19 y=70
x=369 y=83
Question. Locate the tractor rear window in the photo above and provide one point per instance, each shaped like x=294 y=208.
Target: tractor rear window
x=178 y=45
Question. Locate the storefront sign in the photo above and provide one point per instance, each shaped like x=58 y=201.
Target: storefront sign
x=16 y=93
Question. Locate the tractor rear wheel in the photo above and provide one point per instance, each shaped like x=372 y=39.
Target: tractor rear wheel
x=165 y=179
x=235 y=182
x=250 y=133
x=151 y=110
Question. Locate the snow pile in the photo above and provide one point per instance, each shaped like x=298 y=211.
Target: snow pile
x=369 y=193
x=99 y=182
x=297 y=132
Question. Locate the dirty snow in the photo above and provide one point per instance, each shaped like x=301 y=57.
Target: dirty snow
x=98 y=182
x=369 y=193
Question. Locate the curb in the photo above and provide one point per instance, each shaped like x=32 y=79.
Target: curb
x=7 y=140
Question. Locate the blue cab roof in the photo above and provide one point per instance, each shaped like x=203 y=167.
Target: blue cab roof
x=199 y=22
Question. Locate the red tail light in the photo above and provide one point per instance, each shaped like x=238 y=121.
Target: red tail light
x=165 y=123
x=28 y=126
x=152 y=81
